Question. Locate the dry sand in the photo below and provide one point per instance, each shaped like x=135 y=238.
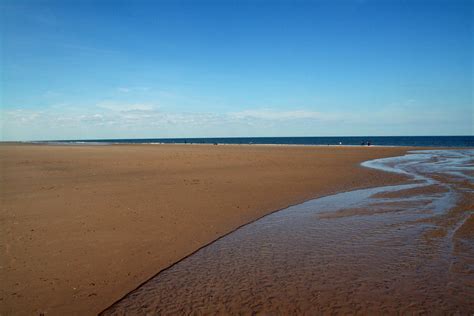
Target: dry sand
x=83 y=225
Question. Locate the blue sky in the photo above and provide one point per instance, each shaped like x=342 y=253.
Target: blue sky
x=124 y=69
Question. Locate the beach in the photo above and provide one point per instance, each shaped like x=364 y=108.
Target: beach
x=397 y=249
x=236 y=158
x=84 y=225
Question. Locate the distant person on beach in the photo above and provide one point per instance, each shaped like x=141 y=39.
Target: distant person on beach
x=368 y=143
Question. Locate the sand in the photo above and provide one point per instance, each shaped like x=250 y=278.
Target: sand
x=350 y=253
x=81 y=226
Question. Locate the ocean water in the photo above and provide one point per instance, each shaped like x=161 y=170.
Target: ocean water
x=420 y=141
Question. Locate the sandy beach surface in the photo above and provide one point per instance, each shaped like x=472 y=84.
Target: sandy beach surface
x=81 y=226
x=399 y=249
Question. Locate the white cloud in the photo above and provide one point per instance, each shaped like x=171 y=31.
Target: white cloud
x=121 y=120
x=270 y=114
x=21 y=116
x=114 y=106
x=112 y=119
x=132 y=89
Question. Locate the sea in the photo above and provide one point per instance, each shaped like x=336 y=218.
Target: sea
x=419 y=141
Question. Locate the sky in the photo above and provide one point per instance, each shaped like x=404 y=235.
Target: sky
x=151 y=69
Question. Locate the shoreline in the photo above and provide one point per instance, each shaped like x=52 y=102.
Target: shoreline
x=92 y=143
x=224 y=236
x=104 y=297
x=100 y=144
x=153 y=299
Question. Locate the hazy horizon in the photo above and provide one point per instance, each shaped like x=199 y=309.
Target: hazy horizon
x=109 y=70
x=400 y=140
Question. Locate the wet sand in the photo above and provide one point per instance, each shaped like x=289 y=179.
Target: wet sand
x=83 y=225
x=403 y=249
